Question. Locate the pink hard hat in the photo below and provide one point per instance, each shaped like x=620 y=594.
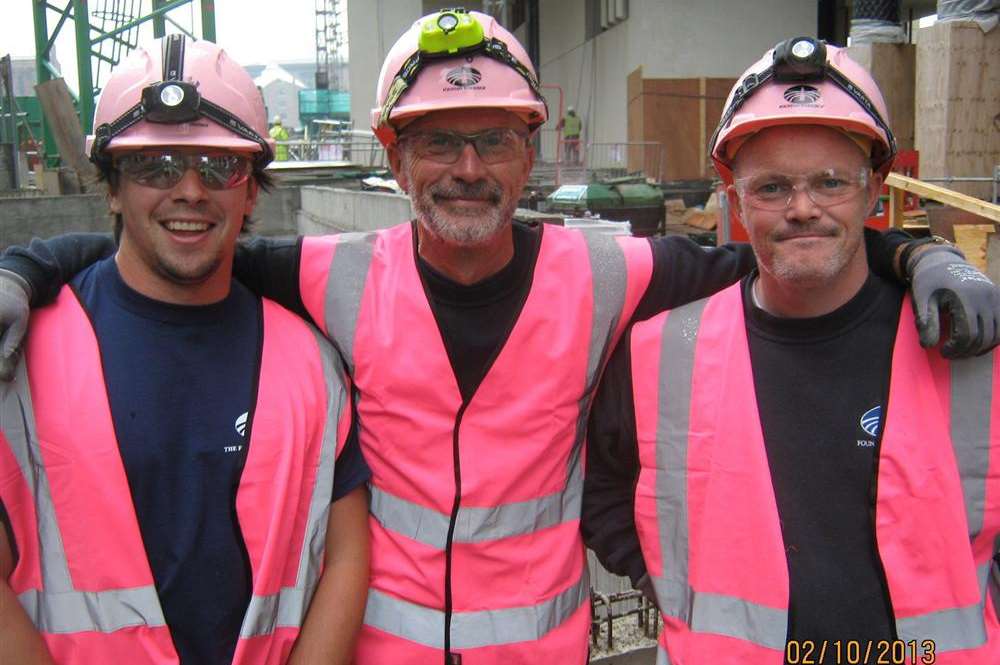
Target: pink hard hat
x=183 y=93
x=804 y=81
x=483 y=67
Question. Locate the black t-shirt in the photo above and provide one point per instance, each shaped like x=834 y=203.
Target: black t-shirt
x=820 y=384
x=181 y=383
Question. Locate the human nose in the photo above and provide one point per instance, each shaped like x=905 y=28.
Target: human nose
x=469 y=166
x=190 y=187
x=800 y=204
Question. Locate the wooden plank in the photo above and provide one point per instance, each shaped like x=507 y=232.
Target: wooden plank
x=896 y=198
x=57 y=104
x=958 y=76
x=950 y=197
x=971 y=239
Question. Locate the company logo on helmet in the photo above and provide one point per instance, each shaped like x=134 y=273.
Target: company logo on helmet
x=464 y=76
x=801 y=95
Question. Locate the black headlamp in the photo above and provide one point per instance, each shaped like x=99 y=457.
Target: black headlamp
x=799 y=59
x=173 y=101
x=170 y=102
x=802 y=60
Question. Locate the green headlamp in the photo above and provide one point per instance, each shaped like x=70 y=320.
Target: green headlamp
x=448 y=32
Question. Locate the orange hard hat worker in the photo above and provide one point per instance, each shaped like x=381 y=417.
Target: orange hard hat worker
x=455 y=59
x=805 y=81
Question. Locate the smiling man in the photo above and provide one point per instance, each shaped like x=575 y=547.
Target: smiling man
x=781 y=464
x=179 y=479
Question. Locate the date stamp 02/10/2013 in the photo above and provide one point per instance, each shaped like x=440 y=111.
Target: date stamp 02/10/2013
x=860 y=652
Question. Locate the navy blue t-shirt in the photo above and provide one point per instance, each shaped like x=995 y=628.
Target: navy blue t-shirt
x=181 y=383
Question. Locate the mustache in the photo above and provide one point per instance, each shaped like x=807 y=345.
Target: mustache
x=802 y=231
x=479 y=190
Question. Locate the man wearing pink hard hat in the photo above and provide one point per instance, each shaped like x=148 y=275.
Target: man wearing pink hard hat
x=180 y=482
x=475 y=343
x=783 y=467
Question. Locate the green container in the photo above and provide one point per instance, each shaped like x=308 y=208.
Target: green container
x=639 y=203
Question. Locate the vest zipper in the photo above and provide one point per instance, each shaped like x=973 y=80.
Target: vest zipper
x=449 y=657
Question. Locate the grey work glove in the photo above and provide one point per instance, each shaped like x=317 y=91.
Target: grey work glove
x=942 y=281
x=15 y=294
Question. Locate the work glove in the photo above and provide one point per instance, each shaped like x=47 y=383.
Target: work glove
x=15 y=294
x=942 y=281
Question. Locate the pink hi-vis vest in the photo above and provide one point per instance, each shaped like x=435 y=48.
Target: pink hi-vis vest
x=708 y=520
x=475 y=506
x=82 y=573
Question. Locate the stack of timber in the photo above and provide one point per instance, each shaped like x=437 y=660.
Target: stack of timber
x=893 y=66
x=957 y=116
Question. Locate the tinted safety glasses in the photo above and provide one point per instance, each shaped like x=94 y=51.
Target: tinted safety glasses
x=445 y=147
x=163 y=170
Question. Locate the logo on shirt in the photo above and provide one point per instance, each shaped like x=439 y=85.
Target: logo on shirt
x=870 y=421
x=241 y=423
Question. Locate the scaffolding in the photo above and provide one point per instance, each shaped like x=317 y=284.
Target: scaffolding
x=103 y=37
x=331 y=44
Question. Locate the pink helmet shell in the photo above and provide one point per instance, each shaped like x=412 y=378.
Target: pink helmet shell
x=811 y=103
x=219 y=78
x=466 y=81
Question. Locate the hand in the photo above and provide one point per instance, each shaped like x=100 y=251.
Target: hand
x=943 y=282
x=15 y=294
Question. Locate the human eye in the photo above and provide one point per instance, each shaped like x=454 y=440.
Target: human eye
x=830 y=183
x=439 y=141
x=769 y=187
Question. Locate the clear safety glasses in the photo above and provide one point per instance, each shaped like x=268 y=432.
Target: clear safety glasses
x=163 y=170
x=774 y=191
x=445 y=147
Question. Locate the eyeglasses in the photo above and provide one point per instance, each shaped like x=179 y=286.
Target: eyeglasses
x=445 y=147
x=774 y=191
x=163 y=170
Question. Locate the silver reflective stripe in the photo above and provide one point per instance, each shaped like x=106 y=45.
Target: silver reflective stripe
x=662 y=657
x=345 y=285
x=702 y=612
x=993 y=586
x=952 y=629
x=92 y=611
x=288 y=607
x=474 y=525
x=609 y=273
x=971 y=394
x=60 y=608
x=675 y=372
x=731 y=616
x=471 y=630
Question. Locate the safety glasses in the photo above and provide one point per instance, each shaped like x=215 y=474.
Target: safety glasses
x=163 y=170
x=445 y=147
x=774 y=191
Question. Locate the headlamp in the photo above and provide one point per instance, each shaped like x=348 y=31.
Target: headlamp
x=799 y=59
x=170 y=102
x=449 y=32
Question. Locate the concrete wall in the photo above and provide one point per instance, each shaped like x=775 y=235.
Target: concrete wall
x=22 y=219
x=667 y=38
x=328 y=210
x=373 y=27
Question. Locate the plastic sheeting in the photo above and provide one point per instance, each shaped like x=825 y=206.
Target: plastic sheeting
x=869 y=30
x=984 y=12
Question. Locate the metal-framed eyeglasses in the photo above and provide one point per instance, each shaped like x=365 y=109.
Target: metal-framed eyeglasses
x=443 y=146
x=774 y=191
x=164 y=169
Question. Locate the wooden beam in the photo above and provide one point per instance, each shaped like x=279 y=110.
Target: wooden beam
x=57 y=104
x=926 y=190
